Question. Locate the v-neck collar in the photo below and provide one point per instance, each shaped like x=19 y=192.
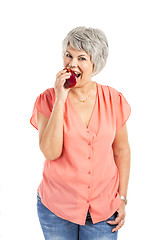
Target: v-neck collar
x=92 y=114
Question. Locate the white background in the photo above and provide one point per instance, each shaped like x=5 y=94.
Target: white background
x=30 y=56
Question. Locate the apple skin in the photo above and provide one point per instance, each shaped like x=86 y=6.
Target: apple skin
x=70 y=82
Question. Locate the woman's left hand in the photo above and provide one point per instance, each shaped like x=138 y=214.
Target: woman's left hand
x=120 y=219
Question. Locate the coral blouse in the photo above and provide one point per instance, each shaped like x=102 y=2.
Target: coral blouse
x=85 y=176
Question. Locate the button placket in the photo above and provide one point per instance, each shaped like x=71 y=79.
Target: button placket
x=90 y=181
x=90 y=146
x=89 y=185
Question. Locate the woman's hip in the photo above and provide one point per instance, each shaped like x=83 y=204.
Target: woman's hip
x=54 y=227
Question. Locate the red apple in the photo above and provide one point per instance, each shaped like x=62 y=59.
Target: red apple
x=70 y=82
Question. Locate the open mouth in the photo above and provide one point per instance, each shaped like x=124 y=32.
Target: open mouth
x=77 y=74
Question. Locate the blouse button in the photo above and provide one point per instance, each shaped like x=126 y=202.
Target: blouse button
x=89 y=186
x=89 y=172
x=89 y=143
x=89 y=157
x=87 y=201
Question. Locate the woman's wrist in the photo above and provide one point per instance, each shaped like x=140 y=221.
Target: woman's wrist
x=124 y=199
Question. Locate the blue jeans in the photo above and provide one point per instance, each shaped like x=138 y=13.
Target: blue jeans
x=56 y=228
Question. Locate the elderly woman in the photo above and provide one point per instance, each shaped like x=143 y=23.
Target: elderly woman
x=83 y=136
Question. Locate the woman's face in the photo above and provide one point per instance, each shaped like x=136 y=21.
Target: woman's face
x=79 y=62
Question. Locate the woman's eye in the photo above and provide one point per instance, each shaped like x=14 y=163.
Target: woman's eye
x=82 y=59
x=68 y=55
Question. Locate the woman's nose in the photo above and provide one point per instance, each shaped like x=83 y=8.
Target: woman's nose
x=73 y=62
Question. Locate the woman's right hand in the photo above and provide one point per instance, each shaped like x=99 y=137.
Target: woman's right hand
x=60 y=91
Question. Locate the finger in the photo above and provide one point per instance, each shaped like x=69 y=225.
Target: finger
x=120 y=224
x=116 y=221
x=119 y=217
x=63 y=77
x=60 y=73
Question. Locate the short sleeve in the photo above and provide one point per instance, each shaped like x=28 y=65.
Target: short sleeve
x=44 y=104
x=123 y=111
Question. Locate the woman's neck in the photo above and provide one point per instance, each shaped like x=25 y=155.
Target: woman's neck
x=83 y=91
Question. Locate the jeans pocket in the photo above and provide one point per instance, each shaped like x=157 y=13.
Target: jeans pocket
x=113 y=217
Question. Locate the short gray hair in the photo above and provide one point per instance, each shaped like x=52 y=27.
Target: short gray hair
x=92 y=41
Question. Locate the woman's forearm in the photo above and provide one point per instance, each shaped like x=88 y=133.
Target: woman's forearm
x=51 y=143
x=123 y=161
